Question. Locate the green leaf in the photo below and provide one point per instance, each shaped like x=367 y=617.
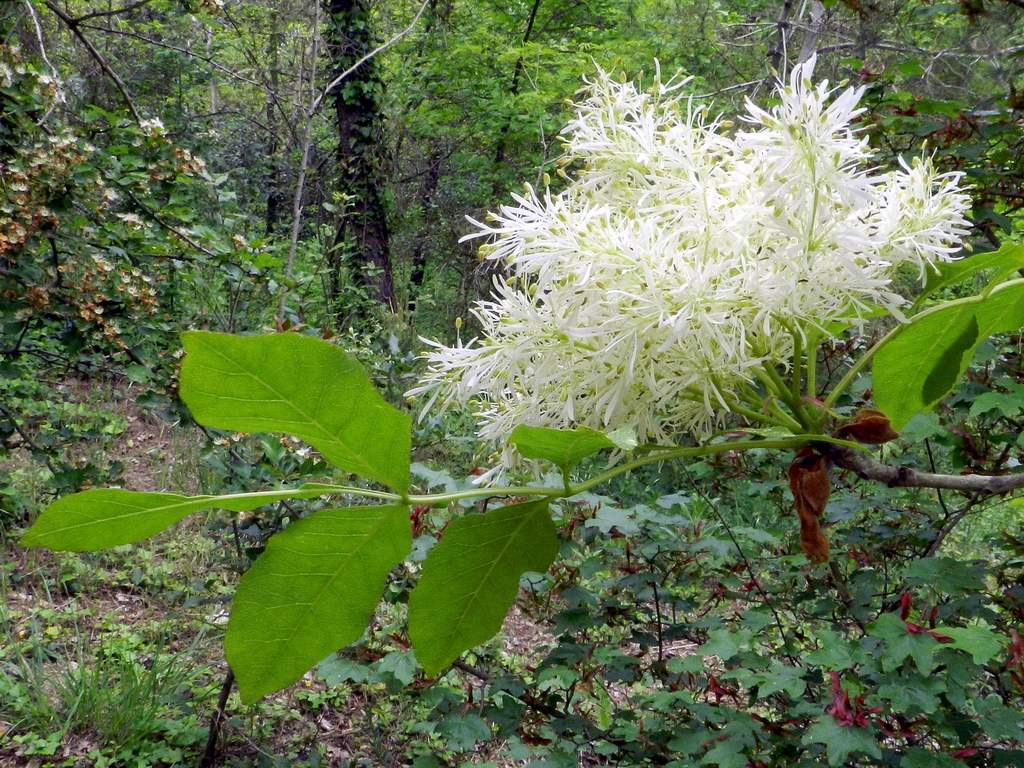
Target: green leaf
x=565 y=447
x=107 y=517
x=945 y=574
x=998 y=721
x=924 y=359
x=726 y=754
x=912 y=694
x=1008 y=404
x=898 y=642
x=840 y=741
x=981 y=642
x=780 y=678
x=923 y=758
x=835 y=652
x=400 y=665
x=471 y=577
x=311 y=592
x=463 y=732
x=301 y=386
x=725 y=644
x=951 y=362
x=1002 y=262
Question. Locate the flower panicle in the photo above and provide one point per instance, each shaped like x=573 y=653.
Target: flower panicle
x=681 y=254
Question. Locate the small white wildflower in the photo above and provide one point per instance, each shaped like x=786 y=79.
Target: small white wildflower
x=675 y=262
x=152 y=127
x=131 y=220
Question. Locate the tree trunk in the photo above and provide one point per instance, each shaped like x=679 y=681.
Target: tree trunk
x=419 y=250
x=363 y=231
x=275 y=197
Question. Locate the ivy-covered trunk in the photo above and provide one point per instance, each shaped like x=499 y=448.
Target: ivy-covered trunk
x=363 y=230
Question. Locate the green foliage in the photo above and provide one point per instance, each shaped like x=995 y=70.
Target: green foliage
x=841 y=742
x=312 y=591
x=320 y=580
x=678 y=626
x=300 y=386
x=566 y=448
x=471 y=577
x=103 y=518
x=922 y=361
x=111 y=695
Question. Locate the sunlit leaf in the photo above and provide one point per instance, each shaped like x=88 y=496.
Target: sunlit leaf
x=924 y=360
x=1001 y=262
x=107 y=517
x=301 y=386
x=471 y=578
x=311 y=592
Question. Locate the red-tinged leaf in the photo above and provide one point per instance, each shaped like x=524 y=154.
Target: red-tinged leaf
x=808 y=480
x=870 y=426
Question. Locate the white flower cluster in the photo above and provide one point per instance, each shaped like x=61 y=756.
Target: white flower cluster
x=683 y=255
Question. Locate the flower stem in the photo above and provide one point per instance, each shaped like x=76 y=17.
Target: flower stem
x=798 y=353
x=813 y=336
x=751 y=415
x=657 y=456
x=773 y=381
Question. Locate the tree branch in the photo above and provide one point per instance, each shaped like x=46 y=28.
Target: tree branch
x=905 y=477
x=72 y=25
x=111 y=12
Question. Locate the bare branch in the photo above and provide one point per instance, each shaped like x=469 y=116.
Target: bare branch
x=60 y=98
x=111 y=12
x=168 y=46
x=72 y=25
x=905 y=477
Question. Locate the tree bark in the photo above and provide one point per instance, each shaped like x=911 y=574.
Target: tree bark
x=273 y=170
x=867 y=468
x=419 y=250
x=363 y=230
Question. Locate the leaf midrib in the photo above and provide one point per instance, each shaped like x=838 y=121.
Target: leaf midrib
x=291 y=402
x=185 y=501
x=304 y=615
x=480 y=584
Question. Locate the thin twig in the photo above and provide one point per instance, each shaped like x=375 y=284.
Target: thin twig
x=746 y=562
x=209 y=758
x=931 y=464
x=111 y=12
x=300 y=183
x=949 y=525
x=60 y=98
x=159 y=220
x=72 y=25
